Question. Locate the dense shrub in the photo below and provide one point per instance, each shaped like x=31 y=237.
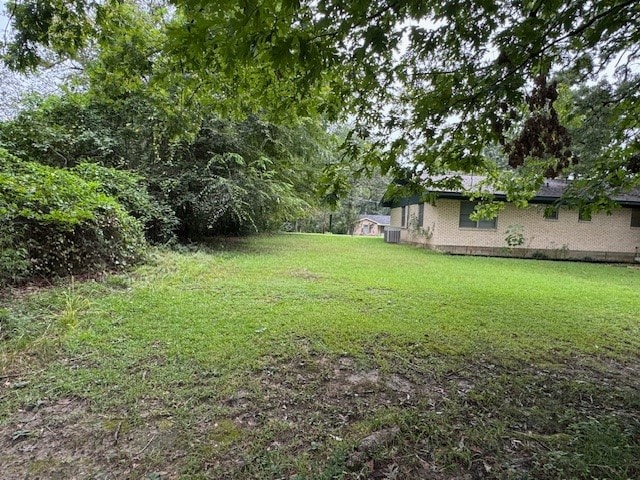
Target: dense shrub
x=216 y=177
x=14 y=264
x=54 y=223
x=158 y=218
x=236 y=178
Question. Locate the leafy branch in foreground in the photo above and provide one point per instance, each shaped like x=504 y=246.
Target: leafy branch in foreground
x=430 y=82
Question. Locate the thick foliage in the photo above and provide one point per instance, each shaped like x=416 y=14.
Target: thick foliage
x=433 y=83
x=227 y=178
x=54 y=223
x=128 y=188
x=76 y=130
x=238 y=178
x=143 y=112
x=64 y=130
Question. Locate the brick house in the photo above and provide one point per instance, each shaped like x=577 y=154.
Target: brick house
x=371 y=225
x=543 y=229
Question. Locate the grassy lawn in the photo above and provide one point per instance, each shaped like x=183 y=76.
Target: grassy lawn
x=325 y=357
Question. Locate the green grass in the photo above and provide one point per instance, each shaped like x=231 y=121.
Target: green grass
x=273 y=357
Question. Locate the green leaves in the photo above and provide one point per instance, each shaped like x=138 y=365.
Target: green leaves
x=448 y=78
x=54 y=223
x=63 y=27
x=45 y=194
x=245 y=177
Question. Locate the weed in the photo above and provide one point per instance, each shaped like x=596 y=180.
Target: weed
x=596 y=448
x=514 y=236
x=75 y=304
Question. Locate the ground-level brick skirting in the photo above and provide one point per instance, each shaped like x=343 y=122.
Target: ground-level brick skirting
x=555 y=254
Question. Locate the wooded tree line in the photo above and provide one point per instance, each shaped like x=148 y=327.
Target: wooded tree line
x=179 y=168
x=223 y=109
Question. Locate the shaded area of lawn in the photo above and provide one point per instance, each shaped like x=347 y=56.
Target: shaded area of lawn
x=302 y=356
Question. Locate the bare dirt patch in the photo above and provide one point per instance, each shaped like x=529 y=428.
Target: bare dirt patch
x=305 y=274
x=323 y=416
x=64 y=439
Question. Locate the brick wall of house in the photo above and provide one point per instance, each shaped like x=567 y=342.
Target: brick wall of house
x=604 y=233
x=395 y=217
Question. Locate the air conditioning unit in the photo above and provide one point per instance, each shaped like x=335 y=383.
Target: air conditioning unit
x=392 y=235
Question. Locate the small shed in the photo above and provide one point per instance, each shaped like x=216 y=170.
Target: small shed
x=371 y=225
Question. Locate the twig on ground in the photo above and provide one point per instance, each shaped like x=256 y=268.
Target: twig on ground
x=117 y=433
x=16 y=375
x=146 y=446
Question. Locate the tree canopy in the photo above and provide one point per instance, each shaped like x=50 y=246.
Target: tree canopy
x=432 y=84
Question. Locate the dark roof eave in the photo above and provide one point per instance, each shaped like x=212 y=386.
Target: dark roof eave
x=628 y=203
x=539 y=199
x=401 y=202
x=501 y=197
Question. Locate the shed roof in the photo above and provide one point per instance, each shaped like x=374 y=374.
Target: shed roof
x=379 y=219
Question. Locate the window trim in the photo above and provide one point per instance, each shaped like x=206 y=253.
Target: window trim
x=421 y=215
x=478 y=224
x=635 y=218
x=551 y=213
x=584 y=216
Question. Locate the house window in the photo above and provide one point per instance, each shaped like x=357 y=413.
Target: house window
x=551 y=213
x=421 y=215
x=466 y=209
x=635 y=217
x=365 y=229
x=403 y=219
x=584 y=215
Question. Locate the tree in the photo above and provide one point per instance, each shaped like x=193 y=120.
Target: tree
x=231 y=177
x=432 y=83
x=343 y=195
x=597 y=122
x=137 y=110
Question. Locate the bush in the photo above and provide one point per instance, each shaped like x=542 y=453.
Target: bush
x=54 y=223
x=158 y=218
x=14 y=264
